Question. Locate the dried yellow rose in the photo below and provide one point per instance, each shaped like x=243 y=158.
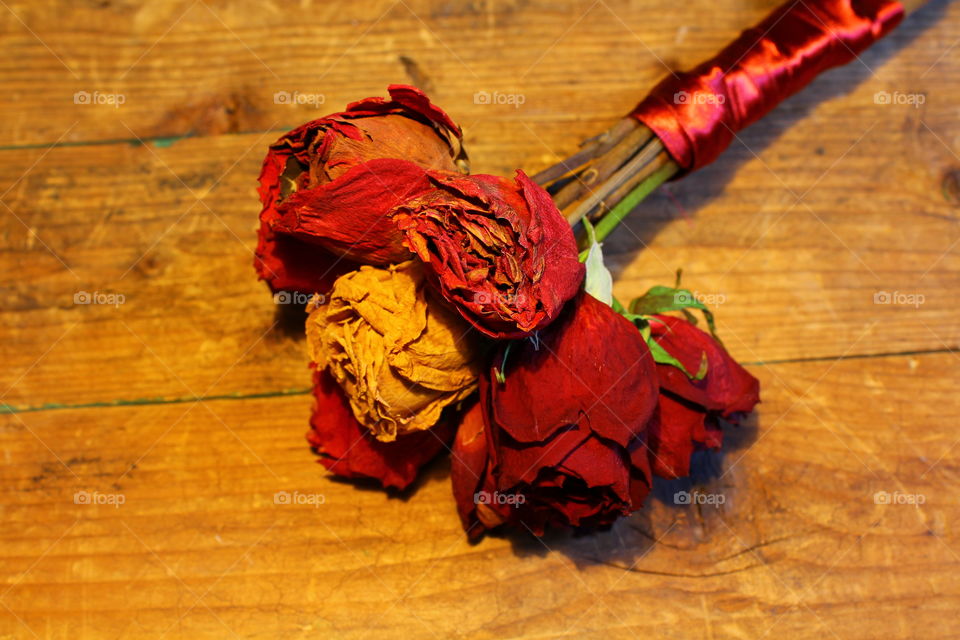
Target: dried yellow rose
x=399 y=358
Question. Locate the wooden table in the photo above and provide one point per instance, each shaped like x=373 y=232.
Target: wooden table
x=145 y=433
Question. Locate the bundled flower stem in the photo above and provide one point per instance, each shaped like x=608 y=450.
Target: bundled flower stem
x=691 y=117
x=625 y=159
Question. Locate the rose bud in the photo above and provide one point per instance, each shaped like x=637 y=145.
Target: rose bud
x=399 y=357
x=500 y=252
x=349 y=450
x=312 y=186
x=689 y=411
x=561 y=442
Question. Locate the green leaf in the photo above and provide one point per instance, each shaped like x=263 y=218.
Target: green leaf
x=641 y=323
x=660 y=299
x=692 y=319
x=662 y=356
x=618 y=307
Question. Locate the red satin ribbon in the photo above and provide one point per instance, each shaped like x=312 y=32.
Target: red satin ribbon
x=696 y=114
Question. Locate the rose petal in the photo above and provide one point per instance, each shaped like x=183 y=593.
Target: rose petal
x=348 y=450
x=591 y=362
x=727 y=386
x=500 y=252
x=670 y=436
x=349 y=215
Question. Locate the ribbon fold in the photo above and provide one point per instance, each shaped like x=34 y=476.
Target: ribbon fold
x=696 y=114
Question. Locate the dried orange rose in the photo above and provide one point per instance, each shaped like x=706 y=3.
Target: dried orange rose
x=399 y=357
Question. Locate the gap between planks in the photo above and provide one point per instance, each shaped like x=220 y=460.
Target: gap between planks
x=6 y=409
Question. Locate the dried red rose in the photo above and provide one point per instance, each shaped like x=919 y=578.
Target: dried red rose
x=289 y=264
x=689 y=410
x=500 y=252
x=562 y=441
x=312 y=185
x=349 y=450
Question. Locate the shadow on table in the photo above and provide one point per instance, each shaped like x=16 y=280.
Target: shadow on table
x=626 y=542
x=437 y=470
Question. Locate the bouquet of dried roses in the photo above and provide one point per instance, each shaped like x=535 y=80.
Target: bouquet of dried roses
x=454 y=311
x=457 y=311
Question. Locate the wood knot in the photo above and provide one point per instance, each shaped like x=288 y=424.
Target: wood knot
x=950 y=185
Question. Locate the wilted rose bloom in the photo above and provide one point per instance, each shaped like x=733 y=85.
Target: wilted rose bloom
x=399 y=357
x=349 y=450
x=499 y=251
x=289 y=264
x=689 y=411
x=316 y=184
x=562 y=441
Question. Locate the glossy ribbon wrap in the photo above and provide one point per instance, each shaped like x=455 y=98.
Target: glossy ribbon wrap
x=697 y=114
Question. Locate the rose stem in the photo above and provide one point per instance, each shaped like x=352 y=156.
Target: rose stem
x=622 y=192
x=616 y=215
x=623 y=173
x=591 y=149
x=604 y=166
x=630 y=153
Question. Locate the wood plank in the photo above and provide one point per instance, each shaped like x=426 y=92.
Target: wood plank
x=199 y=549
x=830 y=201
x=214 y=66
x=171 y=229
x=206 y=68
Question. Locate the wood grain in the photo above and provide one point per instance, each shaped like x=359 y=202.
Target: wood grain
x=171 y=230
x=200 y=549
x=794 y=237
